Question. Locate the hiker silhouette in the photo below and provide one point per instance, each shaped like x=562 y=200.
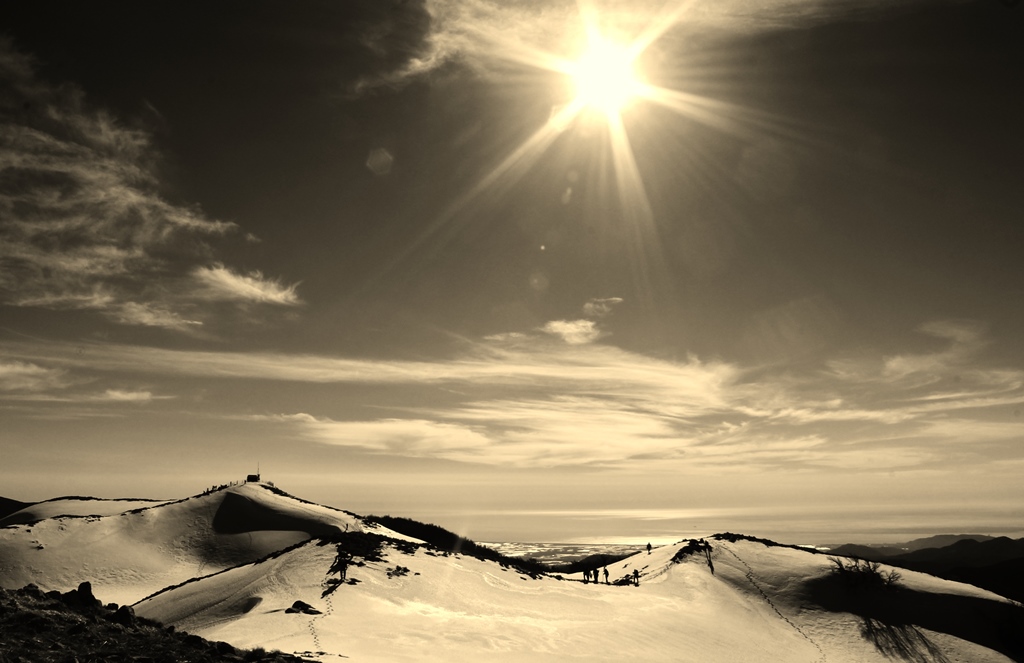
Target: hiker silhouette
x=341 y=563
x=648 y=549
x=636 y=577
x=586 y=576
x=606 y=575
x=707 y=554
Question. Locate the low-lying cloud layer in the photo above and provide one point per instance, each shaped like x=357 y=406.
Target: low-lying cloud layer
x=535 y=401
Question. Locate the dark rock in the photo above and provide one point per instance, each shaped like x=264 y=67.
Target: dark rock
x=223 y=647
x=32 y=590
x=302 y=607
x=125 y=615
x=194 y=640
x=81 y=598
x=85 y=594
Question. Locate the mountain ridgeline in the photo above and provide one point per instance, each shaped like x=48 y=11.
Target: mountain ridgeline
x=994 y=563
x=246 y=567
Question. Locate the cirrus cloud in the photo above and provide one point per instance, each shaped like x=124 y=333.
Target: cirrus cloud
x=217 y=282
x=601 y=307
x=522 y=400
x=28 y=377
x=573 y=332
x=83 y=222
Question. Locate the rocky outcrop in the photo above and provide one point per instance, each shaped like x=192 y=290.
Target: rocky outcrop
x=74 y=625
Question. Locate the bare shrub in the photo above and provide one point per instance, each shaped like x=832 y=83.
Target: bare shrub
x=863 y=574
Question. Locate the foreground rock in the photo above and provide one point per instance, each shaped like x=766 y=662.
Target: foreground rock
x=74 y=626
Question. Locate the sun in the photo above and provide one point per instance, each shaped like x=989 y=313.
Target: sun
x=604 y=76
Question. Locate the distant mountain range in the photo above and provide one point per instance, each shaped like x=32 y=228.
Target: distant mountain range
x=993 y=563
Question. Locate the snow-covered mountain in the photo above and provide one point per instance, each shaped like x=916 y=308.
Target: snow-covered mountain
x=128 y=550
x=763 y=603
x=258 y=568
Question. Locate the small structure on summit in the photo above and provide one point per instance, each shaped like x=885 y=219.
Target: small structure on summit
x=252 y=478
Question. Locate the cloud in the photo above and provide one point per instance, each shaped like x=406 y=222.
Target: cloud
x=125 y=396
x=600 y=308
x=25 y=381
x=149 y=315
x=522 y=400
x=220 y=283
x=394 y=41
x=489 y=35
x=965 y=339
x=416 y=438
x=83 y=224
x=573 y=332
x=27 y=377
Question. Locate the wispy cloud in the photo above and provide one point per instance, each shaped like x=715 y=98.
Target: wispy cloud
x=30 y=382
x=404 y=437
x=965 y=339
x=600 y=307
x=149 y=315
x=217 y=282
x=83 y=224
x=528 y=400
x=27 y=377
x=487 y=35
x=573 y=332
x=127 y=396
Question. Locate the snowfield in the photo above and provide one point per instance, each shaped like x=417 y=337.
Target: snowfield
x=233 y=562
x=145 y=547
x=74 y=506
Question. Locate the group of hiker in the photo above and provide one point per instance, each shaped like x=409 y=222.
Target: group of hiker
x=594 y=575
x=589 y=575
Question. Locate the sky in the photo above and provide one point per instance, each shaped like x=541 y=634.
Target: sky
x=397 y=256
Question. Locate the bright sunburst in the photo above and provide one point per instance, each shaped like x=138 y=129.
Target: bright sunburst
x=604 y=76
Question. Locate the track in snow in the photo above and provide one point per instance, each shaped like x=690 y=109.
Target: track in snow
x=750 y=576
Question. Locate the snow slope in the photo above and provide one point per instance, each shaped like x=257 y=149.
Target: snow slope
x=761 y=604
x=74 y=506
x=131 y=554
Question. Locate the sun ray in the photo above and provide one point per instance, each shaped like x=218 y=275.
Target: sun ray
x=511 y=169
x=607 y=82
x=727 y=117
x=658 y=27
x=635 y=207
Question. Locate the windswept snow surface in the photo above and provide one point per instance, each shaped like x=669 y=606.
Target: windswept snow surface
x=74 y=506
x=762 y=604
x=131 y=554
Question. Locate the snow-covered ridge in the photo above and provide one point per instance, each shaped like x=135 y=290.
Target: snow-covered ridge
x=257 y=567
x=130 y=553
x=71 y=506
x=761 y=603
